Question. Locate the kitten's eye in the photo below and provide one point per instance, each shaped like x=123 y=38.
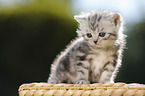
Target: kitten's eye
x=89 y=35
x=102 y=34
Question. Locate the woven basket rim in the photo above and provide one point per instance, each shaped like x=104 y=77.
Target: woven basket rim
x=104 y=86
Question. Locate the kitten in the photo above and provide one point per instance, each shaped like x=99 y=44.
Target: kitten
x=97 y=52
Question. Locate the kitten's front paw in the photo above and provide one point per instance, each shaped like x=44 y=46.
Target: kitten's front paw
x=82 y=82
x=53 y=81
x=106 y=81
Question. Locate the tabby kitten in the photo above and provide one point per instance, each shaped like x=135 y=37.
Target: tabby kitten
x=96 y=54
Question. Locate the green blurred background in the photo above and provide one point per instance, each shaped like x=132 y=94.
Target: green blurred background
x=33 y=32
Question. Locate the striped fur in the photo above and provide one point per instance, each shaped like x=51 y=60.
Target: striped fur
x=96 y=54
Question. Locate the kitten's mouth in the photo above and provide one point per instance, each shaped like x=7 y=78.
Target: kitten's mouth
x=97 y=44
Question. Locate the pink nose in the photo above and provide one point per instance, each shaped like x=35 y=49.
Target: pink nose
x=95 y=41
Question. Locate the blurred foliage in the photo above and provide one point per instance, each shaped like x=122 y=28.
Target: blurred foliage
x=55 y=8
x=31 y=36
x=132 y=70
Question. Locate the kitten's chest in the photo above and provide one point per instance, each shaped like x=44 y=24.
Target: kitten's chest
x=98 y=59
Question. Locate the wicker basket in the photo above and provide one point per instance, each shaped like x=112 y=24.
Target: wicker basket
x=96 y=89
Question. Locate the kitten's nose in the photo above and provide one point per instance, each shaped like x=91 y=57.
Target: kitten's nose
x=95 y=41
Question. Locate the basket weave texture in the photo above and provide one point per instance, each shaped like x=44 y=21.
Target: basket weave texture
x=96 y=89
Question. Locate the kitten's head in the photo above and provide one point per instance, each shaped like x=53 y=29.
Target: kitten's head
x=100 y=28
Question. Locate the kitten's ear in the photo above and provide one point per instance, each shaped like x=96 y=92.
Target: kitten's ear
x=116 y=19
x=79 y=19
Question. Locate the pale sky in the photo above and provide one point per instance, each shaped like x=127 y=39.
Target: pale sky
x=132 y=10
